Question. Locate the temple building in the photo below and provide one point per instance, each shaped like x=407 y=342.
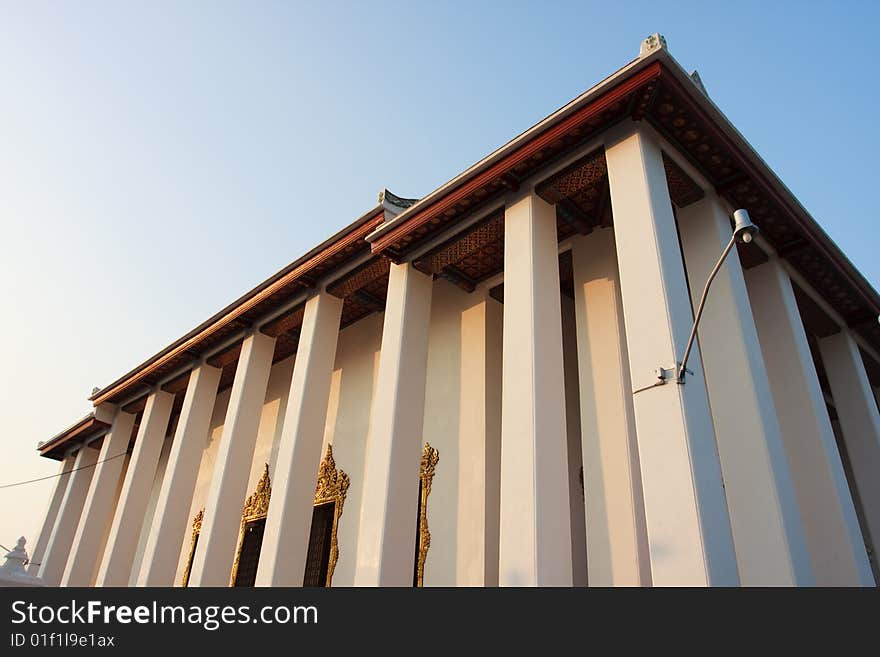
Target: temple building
x=487 y=386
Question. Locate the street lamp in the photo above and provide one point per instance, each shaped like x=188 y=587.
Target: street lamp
x=743 y=231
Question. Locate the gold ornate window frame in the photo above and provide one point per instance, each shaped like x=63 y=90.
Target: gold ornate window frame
x=196 y=529
x=256 y=507
x=332 y=486
x=430 y=458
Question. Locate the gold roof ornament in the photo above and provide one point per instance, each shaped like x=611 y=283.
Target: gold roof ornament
x=257 y=503
x=332 y=483
x=196 y=530
x=256 y=507
x=332 y=487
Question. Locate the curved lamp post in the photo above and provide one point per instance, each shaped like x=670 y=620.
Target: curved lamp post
x=743 y=231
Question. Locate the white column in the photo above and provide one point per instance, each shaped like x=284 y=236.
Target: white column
x=617 y=546
x=688 y=525
x=289 y=520
x=58 y=491
x=479 y=457
x=834 y=539
x=100 y=502
x=389 y=505
x=55 y=557
x=535 y=545
x=859 y=421
x=170 y=519
x=115 y=568
x=771 y=548
x=212 y=564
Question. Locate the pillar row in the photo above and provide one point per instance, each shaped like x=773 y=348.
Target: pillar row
x=771 y=548
x=54 y=559
x=100 y=503
x=170 y=518
x=115 y=569
x=55 y=500
x=833 y=536
x=212 y=564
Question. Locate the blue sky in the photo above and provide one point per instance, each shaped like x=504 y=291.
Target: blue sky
x=158 y=159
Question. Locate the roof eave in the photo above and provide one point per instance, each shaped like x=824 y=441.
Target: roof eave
x=588 y=96
x=102 y=394
x=798 y=212
x=89 y=425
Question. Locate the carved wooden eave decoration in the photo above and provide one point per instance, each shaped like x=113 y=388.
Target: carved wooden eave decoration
x=194 y=537
x=430 y=458
x=470 y=257
x=363 y=289
x=332 y=487
x=256 y=506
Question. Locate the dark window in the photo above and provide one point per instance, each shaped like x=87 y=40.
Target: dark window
x=418 y=536
x=192 y=556
x=249 y=556
x=318 y=558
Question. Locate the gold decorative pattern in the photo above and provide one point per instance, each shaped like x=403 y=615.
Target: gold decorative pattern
x=196 y=529
x=332 y=486
x=256 y=506
x=430 y=457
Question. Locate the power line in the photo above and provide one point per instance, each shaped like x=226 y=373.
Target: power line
x=61 y=474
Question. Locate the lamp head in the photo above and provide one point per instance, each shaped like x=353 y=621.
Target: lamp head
x=743 y=228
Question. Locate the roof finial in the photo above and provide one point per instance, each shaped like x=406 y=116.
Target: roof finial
x=695 y=76
x=654 y=42
x=393 y=204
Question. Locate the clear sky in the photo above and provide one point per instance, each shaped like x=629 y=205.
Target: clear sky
x=158 y=159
